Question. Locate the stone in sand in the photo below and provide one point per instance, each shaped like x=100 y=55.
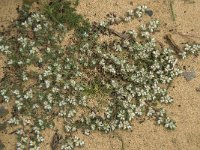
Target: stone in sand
x=3 y=111
x=149 y=12
x=189 y=75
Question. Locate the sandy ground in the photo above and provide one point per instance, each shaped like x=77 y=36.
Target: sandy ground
x=186 y=107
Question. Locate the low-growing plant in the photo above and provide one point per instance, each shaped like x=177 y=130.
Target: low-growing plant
x=44 y=81
x=63 y=12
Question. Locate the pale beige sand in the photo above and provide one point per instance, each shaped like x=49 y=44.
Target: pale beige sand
x=186 y=107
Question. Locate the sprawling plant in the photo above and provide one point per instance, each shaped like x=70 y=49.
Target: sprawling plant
x=89 y=85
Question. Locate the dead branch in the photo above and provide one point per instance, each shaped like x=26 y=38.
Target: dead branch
x=121 y=35
x=55 y=141
x=169 y=39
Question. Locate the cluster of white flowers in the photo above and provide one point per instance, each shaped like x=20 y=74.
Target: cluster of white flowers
x=33 y=19
x=70 y=129
x=37 y=28
x=19 y=104
x=151 y=27
x=140 y=10
x=13 y=121
x=131 y=74
x=169 y=123
x=150 y=68
x=151 y=111
x=5 y=49
x=163 y=119
x=24 y=42
x=4 y=93
x=190 y=49
x=22 y=140
x=132 y=33
x=103 y=23
x=112 y=18
x=71 y=113
x=33 y=145
x=71 y=143
x=28 y=94
x=38 y=136
x=21 y=146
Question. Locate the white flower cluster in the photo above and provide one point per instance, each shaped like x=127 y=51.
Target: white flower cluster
x=151 y=111
x=190 y=49
x=5 y=49
x=13 y=121
x=37 y=28
x=71 y=143
x=151 y=27
x=4 y=93
x=169 y=123
x=130 y=74
x=140 y=10
x=39 y=137
x=35 y=20
x=151 y=67
x=70 y=129
x=112 y=18
x=163 y=119
x=132 y=33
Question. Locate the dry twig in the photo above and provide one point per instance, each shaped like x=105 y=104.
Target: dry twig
x=121 y=35
x=169 y=39
x=55 y=141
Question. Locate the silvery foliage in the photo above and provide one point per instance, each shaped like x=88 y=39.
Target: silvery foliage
x=46 y=81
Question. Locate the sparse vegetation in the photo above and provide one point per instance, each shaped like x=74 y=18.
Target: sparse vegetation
x=63 y=12
x=88 y=85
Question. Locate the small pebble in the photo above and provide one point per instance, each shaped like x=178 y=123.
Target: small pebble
x=198 y=89
x=149 y=12
x=189 y=75
x=3 y=111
